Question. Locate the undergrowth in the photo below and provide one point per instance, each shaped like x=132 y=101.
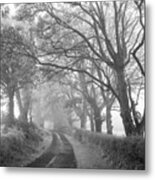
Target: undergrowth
x=17 y=143
x=121 y=152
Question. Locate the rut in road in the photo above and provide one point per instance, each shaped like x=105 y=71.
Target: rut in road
x=56 y=156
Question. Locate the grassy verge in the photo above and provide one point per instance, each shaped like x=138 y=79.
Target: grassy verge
x=121 y=152
x=18 y=143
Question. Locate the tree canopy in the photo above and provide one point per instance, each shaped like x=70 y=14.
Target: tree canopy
x=94 y=50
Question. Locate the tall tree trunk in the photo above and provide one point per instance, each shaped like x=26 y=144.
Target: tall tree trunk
x=83 y=115
x=108 y=119
x=96 y=114
x=141 y=126
x=25 y=110
x=98 y=125
x=83 y=120
x=26 y=102
x=97 y=118
x=30 y=112
x=11 y=107
x=124 y=103
x=92 y=125
x=18 y=95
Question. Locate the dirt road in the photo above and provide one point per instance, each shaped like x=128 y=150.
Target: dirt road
x=58 y=155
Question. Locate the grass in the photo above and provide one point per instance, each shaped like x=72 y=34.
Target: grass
x=122 y=152
x=18 y=143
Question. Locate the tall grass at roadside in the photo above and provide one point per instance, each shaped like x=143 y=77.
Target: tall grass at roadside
x=17 y=143
x=121 y=152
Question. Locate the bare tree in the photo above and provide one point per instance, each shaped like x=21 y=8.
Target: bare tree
x=109 y=34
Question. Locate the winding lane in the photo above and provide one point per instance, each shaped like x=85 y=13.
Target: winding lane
x=59 y=154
